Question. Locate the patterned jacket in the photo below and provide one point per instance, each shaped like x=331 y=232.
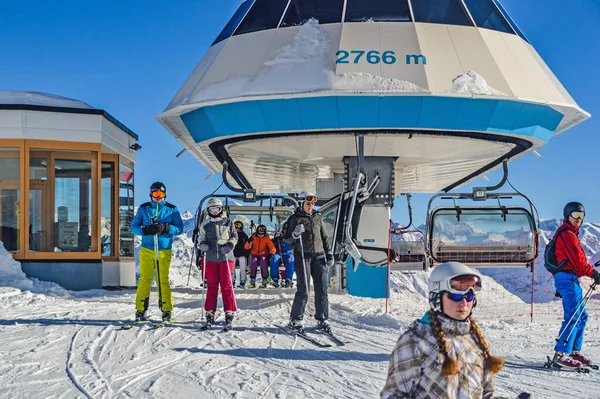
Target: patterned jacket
x=217 y=233
x=415 y=368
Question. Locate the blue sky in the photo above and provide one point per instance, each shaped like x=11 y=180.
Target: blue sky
x=130 y=58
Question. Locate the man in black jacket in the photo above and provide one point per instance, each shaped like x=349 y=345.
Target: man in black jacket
x=313 y=257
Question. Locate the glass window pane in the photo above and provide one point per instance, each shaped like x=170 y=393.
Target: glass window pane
x=10 y=201
x=325 y=11
x=234 y=21
x=126 y=243
x=264 y=14
x=487 y=15
x=72 y=205
x=450 y=12
x=377 y=10
x=39 y=229
x=106 y=214
x=510 y=20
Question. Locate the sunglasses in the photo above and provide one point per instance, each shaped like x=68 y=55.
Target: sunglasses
x=577 y=215
x=461 y=284
x=215 y=209
x=311 y=203
x=158 y=194
x=469 y=296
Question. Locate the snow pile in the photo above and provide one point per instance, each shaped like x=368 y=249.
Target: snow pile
x=11 y=275
x=473 y=83
x=37 y=98
x=353 y=81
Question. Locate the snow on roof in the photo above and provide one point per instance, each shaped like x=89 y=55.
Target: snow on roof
x=17 y=97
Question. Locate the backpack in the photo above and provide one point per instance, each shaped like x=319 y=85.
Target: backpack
x=550 y=262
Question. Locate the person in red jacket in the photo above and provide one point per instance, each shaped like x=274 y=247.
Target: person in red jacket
x=568 y=248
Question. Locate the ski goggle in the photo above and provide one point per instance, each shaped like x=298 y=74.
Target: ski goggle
x=215 y=209
x=260 y=232
x=469 y=296
x=462 y=284
x=577 y=215
x=158 y=194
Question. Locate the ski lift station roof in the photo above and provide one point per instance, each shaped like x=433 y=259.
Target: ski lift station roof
x=447 y=88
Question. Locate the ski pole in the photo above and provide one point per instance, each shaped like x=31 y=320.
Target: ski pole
x=584 y=301
x=306 y=277
x=194 y=236
x=203 y=284
x=160 y=302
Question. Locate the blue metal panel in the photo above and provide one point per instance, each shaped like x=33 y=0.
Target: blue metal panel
x=439 y=112
x=504 y=117
x=223 y=120
x=358 y=111
x=199 y=125
x=400 y=111
x=474 y=114
x=366 y=281
x=319 y=112
x=281 y=114
x=249 y=116
x=349 y=112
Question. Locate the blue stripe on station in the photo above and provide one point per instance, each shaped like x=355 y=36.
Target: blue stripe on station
x=378 y=112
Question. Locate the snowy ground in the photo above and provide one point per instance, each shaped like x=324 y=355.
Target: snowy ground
x=68 y=346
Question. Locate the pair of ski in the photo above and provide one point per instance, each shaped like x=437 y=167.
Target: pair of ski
x=312 y=339
x=550 y=365
x=208 y=326
x=153 y=326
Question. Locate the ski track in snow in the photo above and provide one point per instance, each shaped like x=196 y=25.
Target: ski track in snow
x=73 y=349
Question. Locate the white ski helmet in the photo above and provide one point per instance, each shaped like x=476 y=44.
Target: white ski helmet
x=214 y=206
x=446 y=278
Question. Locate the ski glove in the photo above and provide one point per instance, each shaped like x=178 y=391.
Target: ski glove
x=162 y=228
x=226 y=248
x=596 y=277
x=250 y=239
x=298 y=231
x=330 y=260
x=203 y=247
x=149 y=230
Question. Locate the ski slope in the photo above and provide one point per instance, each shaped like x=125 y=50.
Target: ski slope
x=64 y=344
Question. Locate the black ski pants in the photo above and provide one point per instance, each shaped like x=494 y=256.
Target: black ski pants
x=316 y=266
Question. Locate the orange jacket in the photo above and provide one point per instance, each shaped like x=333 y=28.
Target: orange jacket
x=261 y=246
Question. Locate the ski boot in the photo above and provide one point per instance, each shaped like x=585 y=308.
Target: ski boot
x=141 y=315
x=296 y=325
x=210 y=320
x=275 y=283
x=263 y=284
x=166 y=317
x=323 y=325
x=242 y=284
x=228 y=320
x=580 y=358
x=565 y=360
x=289 y=283
x=252 y=283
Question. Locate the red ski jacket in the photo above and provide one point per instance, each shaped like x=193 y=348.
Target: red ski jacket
x=569 y=247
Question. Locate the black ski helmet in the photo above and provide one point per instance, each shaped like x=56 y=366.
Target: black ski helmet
x=572 y=207
x=158 y=186
x=261 y=228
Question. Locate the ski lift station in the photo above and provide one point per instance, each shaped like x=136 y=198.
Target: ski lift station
x=66 y=190
x=364 y=101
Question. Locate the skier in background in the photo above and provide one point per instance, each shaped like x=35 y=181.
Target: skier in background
x=217 y=237
x=312 y=257
x=568 y=249
x=262 y=250
x=240 y=253
x=284 y=255
x=447 y=329
x=162 y=219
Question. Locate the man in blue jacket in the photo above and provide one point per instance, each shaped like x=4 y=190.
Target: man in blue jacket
x=157 y=221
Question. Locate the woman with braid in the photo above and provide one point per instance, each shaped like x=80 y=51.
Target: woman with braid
x=444 y=354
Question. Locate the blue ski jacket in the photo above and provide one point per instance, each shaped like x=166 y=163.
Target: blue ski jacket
x=165 y=213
